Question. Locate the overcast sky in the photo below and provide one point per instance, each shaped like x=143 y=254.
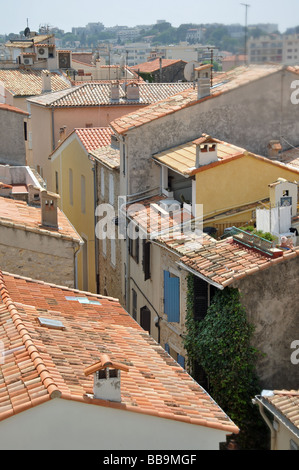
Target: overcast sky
x=68 y=13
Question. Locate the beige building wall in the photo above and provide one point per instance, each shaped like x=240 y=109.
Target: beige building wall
x=38 y=256
x=46 y=127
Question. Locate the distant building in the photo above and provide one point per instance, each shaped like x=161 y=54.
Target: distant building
x=266 y=49
x=161 y=70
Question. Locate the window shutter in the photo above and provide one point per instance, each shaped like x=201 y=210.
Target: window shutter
x=181 y=361
x=167 y=348
x=146 y=260
x=172 y=297
x=145 y=319
x=201 y=299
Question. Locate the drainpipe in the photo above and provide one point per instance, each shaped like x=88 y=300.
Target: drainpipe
x=267 y=421
x=76 y=252
x=53 y=131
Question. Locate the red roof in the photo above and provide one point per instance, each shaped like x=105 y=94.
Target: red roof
x=13 y=109
x=95 y=137
x=154 y=65
x=41 y=362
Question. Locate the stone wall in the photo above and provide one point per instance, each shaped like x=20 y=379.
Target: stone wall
x=38 y=257
x=12 y=150
x=271 y=299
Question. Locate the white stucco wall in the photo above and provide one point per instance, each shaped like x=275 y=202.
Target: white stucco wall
x=66 y=425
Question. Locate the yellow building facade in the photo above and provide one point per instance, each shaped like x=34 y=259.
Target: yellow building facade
x=73 y=179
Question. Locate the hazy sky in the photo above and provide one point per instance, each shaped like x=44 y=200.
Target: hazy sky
x=67 y=13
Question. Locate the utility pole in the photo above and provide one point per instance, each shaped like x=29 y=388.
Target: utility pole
x=246 y=15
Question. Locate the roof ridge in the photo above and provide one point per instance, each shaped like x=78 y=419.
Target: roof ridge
x=38 y=281
x=33 y=352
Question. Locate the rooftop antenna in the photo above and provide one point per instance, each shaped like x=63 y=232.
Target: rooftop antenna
x=246 y=5
x=27 y=30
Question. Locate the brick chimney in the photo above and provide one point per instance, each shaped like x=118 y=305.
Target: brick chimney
x=46 y=81
x=106 y=379
x=203 y=78
x=133 y=91
x=115 y=91
x=33 y=195
x=49 y=210
x=206 y=152
x=274 y=149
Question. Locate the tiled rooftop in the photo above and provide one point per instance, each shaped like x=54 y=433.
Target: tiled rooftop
x=94 y=137
x=13 y=109
x=42 y=363
x=286 y=402
x=21 y=82
x=225 y=83
x=19 y=214
x=150 y=217
x=226 y=261
x=154 y=65
x=109 y=156
x=98 y=93
x=290 y=157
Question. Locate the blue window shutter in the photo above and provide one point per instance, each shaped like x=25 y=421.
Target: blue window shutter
x=167 y=348
x=181 y=361
x=172 y=297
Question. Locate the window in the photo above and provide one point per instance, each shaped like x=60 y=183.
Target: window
x=134 y=304
x=56 y=182
x=146 y=261
x=83 y=195
x=172 y=297
x=124 y=159
x=71 y=186
x=111 y=189
x=203 y=293
x=25 y=130
x=134 y=244
x=145 y=319
x=113 y=254
x=88 y=125
x=102 y=181
x=104 y=246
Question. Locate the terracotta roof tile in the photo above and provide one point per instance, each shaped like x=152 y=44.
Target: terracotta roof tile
x=21 y=215
x=94 y=137
x=99 y=94
x=52 y=362
x=154 y=65
x=287 y=403
x=224 y=83
x=29 y=82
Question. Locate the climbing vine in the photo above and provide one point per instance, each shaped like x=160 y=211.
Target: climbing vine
x=221 y=345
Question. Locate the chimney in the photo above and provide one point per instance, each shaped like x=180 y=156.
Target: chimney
x=206 y=152
x=106 y=379
x=5 y=190
x=62 y=133
x=133 y=91
x=274 y=149
x=115 y=91
x=46 y=81
x=33 y=195
x=49 y=209
x=203 y=78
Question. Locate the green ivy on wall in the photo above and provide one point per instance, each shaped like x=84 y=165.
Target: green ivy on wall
x=221 y=345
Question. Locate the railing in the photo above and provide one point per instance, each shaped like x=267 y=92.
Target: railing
x=251 y=240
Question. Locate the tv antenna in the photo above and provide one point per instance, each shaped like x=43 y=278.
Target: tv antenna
x=246 y=5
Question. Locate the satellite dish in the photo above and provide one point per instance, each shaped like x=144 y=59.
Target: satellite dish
x=27 y=32
x=189 y=73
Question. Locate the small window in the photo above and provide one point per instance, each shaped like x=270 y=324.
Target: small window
x=71 y=186
x=111 y=189
x=56 y=182
x=145 y=319
x=88 y=125
x=113 y=253
x=83 y=195
x=52 y=324
x=102 y=182
x=146 y=262
x=25 y=131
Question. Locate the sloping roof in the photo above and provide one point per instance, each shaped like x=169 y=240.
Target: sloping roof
x=20 y=215
x=98 y=93
x=290 y=157
x=183 y=157
x=109 y=156
x=94 y=137
x=41 y=363
x=229 y=81
x=226 y=261
x=13 y=109
x=21 y=82
x=284 y=404
x=154 y=65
